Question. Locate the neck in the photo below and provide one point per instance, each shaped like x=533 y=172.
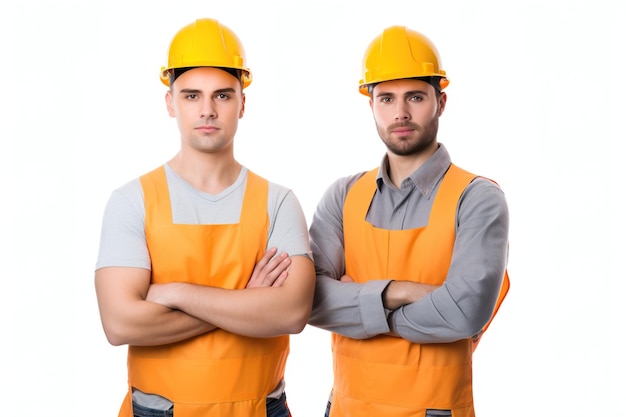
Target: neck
x=209 y=173
x=402 y=166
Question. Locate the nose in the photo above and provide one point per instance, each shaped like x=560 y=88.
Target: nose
x=207 y=110
x=402 y=112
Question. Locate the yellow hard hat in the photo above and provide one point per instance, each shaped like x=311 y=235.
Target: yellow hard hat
x=399 y=53
x=206 y=43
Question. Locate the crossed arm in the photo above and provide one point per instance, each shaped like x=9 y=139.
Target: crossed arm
x=277 y=300
x=399 y=293
x=392 y=293
x=413 y=311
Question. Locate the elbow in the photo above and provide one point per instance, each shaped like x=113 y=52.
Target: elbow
x=472 y=326
x=114 y=339
x=471 y=329
x=298 y=322
x=298 y=319
x=114 y=335
x=296 y=327
x=466 y=315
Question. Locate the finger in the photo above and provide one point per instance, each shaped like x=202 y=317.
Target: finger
x=277 y=263
x=281 y=279
x=277 y=268
x=269 y=269
x=346 y=278
x=262 y=263
x=267 y=257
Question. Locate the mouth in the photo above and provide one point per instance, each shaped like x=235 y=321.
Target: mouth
x=403 y=129
x=402 y=132
x=207 y=128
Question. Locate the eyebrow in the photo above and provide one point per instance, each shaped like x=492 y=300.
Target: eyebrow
x=196 y=91
x=407 y=94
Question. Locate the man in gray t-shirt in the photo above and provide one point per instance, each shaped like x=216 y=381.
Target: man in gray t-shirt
x=204 y=268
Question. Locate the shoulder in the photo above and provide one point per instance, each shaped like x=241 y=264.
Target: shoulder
x=131 y=187
x=484 y=195
x=339 y=188
x=278 y=190
x=279 y=197
x=332 y=201
x=479 y=184
x=130 y=193
x=275 y=192
x=484 y=185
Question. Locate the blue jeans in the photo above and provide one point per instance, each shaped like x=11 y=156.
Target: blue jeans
x=141 y=411
x=276 y=407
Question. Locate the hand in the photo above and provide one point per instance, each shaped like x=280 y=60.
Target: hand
x=270 y=271
x=158 y=293
x=399 y=293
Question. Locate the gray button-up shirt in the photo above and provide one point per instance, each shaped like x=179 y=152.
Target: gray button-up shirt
x=461 y=306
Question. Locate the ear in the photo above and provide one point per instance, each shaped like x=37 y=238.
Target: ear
x=243 y=105
x=443 y=98
x=169 y=104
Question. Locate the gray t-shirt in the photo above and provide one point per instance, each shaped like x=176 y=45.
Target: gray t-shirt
x=123 y=238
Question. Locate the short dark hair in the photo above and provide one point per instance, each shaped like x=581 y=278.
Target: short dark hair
x=177 y=72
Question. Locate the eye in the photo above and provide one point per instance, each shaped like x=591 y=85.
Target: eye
x=416 y=98
x=385 y=99
x=191 y=96
x=222 y=96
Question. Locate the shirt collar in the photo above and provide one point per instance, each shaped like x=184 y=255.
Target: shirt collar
x=426 y=177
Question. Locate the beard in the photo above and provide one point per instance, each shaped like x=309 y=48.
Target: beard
x=419 y=139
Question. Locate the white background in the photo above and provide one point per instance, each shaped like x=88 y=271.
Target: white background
x=536 y=102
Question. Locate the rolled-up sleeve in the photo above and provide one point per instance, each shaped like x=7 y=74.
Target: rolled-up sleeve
x=350 y=309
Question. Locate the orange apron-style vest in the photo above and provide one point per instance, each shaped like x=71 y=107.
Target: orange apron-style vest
x=389 y=376
x=217 y=373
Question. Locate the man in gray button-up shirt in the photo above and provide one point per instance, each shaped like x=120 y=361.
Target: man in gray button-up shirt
x=406 y=107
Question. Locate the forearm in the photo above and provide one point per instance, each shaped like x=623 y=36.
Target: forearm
x=253 y=312
x=434 y=319
x=400 y=293
x=459 y=309
x=350 y=309
x=127 y=318
x=150 y=324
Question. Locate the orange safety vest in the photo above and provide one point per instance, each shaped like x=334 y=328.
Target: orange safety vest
x=218 y=373
x=389 y=376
